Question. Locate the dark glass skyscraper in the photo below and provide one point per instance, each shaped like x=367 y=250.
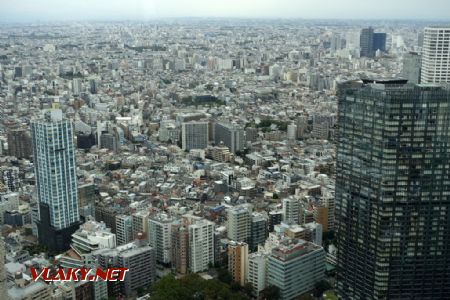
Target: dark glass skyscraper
x=393 y=191
x=371 y=41
x=366 y=42
x=379 y=41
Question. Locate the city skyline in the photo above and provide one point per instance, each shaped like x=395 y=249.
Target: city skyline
x=237 y=150
x=52 y=10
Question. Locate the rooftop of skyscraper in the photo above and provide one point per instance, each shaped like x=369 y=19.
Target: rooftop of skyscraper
x=292 y=248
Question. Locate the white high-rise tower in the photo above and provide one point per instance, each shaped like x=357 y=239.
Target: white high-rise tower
x=56 y=178
x=201 y=245
x=436 y=55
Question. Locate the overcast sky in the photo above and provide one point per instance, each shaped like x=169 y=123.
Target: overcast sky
x=32 y=10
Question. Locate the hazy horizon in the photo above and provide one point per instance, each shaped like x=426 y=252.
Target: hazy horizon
x=60 y=10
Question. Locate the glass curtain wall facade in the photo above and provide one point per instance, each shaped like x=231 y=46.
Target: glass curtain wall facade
x=393 y=191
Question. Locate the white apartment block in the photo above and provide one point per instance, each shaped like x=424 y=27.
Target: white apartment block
x=436 y=55
x=201 y=245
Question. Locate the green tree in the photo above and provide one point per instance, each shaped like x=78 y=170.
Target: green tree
x=321 y=287
x=168 y=288
x=271 y=292
x=192 y=287
x=235 y=286
x=224 y=275
x=248 y=289
x=305 y=297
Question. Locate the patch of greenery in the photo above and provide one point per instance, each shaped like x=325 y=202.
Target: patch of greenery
x=265 y=125
x=330 y=295
x=270 y=293
x=193 y=287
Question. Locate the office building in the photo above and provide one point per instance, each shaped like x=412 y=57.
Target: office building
x=324 y=213
x=19 y=143
x=219 y=153
x=8 y=202
x=159 y=234
x=92 y=86
x=257 y=271
x=239 y=221
x=10 y=178
x=336 y=42
x=291 y=210
x=124 y=230
x=138 y=257
x=27 y=70
x=436 y=55
x=91 y=236
x=107 y=214
x=140 y=223
x=168 y=132
x=25 y=289
x=370 y=42
x=258 y=231
x=230 y=135
x=56 y=179
x=314 y=233
x=275 y=217
x=392 y=191
x=366 y=42
x=77 y=86
x=306 y=214
x=194 y=135
x=180 y=248
x=412 y=65
x=238 y=261
x=109 y=141
x=86 y=200
x=251 y=134
x=85 y=141
x=220 y=245
x=18 y=72
x=295 y=267
x=420 y=37
x=201 y=245
x=379 y=41
x=292 y=132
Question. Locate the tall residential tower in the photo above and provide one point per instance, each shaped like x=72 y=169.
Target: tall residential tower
x=436 y=55
x=56 y=179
